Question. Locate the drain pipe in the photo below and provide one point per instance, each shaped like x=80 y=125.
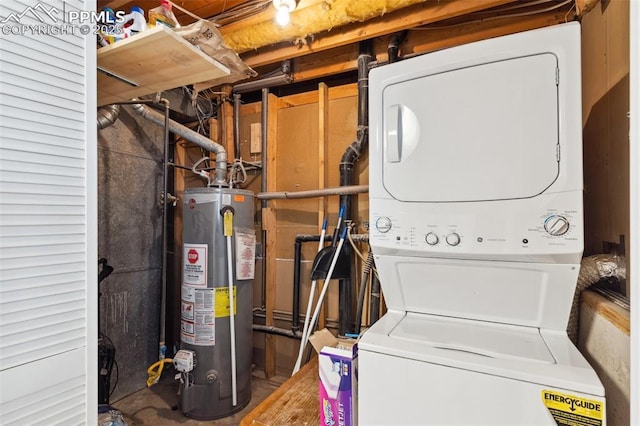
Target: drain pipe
x=107 y=115
x=194 y=137
x=347 y=163
x=394 y=46
x=263 y=188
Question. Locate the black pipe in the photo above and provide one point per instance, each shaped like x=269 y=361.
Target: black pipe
x=297 y=260
x=347 y=164
x=394 y=45
x=297 y=257
x=263 y=188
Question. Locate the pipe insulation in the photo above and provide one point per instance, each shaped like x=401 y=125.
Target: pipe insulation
x=593 y=269
x=107 y=115
x=319 y=16
x=194 y=137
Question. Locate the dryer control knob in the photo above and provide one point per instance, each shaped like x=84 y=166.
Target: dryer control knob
x=453 y=239
x=383 y=224
x=556 y=225
x=431 y=239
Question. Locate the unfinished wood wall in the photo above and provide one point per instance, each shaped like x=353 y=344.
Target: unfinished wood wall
x=605 y=91
x=313 y=130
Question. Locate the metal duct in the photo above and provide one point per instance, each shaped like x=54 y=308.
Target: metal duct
x=194 y=137
x=107 y=115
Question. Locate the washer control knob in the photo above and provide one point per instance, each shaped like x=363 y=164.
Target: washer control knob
x=383 y=224
x=556 y=225
x=453 y=239
x=431 y=239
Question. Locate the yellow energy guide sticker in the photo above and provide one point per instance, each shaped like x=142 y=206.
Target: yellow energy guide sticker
x=572 y=410
x=222 y=308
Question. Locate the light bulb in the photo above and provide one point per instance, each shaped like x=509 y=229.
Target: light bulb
x=282 y=16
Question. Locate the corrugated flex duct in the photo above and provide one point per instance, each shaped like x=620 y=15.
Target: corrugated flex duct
x=593 y=269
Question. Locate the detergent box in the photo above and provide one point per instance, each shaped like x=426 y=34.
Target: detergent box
x=338 y=382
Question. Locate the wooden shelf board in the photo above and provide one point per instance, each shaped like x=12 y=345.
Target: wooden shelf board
x=155 y=60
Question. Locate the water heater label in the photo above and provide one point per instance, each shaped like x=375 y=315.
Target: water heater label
x=194 y=270
x=223 y=302
x=245 y=255
x=198 y=316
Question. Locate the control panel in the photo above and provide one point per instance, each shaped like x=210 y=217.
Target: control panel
x=479 y=229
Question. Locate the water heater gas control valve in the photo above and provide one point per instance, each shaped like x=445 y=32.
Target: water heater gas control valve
x=184 y=360
x=556 y=225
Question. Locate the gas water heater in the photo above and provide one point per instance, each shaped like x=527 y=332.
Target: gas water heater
x=216 y=316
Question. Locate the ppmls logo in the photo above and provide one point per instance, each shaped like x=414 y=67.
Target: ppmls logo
x=53 y=21
x=33 y=11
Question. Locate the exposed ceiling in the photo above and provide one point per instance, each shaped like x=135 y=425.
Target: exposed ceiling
x=322 y=38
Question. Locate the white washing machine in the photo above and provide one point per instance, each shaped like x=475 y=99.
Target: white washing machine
x=477 y=231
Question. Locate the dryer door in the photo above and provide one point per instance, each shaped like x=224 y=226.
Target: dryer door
x=483 y=132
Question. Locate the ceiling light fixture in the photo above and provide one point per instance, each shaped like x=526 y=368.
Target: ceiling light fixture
x=283 y=7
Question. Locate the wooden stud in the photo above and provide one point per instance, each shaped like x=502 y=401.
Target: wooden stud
x=269 y=224
x=226 y=123
x=323 y=149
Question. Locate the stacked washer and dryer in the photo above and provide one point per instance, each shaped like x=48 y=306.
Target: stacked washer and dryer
x=477 y=231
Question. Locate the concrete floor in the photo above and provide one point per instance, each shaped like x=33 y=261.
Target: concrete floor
x=158 y=405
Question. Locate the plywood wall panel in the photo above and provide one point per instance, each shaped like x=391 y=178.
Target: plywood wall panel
x=605 y=95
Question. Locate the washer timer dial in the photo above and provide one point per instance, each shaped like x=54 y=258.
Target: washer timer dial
x=556 y=225
x=383 y=224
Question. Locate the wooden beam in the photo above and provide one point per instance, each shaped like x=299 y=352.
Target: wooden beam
x=269 y=224
x=226 y=123
x=421 y=41
x=409 y=17
x=311 y=97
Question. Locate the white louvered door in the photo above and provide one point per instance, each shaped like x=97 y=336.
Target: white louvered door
x=48 y=218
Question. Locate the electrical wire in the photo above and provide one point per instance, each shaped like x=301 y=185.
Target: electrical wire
x=493 y=18
x=115 y=384
x=241 y=11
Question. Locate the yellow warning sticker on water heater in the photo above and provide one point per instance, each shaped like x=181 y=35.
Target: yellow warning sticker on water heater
x=573 y=410
x=222 y=308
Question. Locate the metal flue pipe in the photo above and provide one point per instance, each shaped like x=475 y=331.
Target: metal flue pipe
x=194 y=137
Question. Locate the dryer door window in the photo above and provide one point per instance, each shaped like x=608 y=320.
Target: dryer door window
x=484 y=132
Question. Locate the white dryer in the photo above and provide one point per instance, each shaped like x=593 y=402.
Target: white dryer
x=477 y=230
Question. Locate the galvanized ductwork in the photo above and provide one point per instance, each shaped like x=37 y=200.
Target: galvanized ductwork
x=107 y=115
